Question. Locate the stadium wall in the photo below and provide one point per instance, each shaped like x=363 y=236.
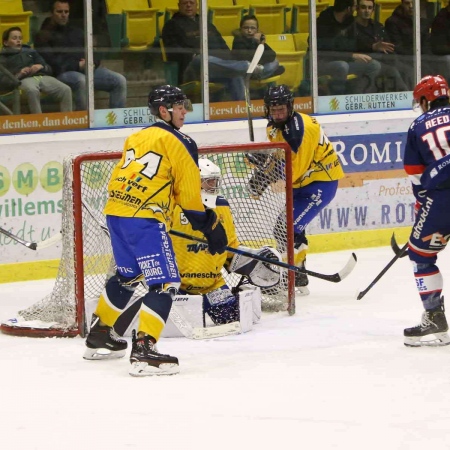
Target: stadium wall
x=374 y=199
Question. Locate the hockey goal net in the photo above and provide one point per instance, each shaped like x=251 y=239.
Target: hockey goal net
x=87 y=260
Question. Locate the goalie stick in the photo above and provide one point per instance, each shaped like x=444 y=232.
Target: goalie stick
x=176 y=313
x=256 y=57
x=33 y=245
x=334 y=278
x=398 y=254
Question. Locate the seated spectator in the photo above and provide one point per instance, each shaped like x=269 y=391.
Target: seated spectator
x=181 y=38
x=400 y=31
x=62 y=45
x=369 y=38
x=440 y=40
x=28 y=66
x=246 y=42
x=335 y=52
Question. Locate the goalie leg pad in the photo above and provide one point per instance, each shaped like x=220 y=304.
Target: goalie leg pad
x=221 y=305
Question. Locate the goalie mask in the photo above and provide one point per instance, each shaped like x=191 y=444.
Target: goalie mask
x=211 y=180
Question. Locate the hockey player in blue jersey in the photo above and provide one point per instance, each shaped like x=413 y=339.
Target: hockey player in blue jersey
x=426 y=161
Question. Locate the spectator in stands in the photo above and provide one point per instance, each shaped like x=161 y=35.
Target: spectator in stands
x=30 y=68
x=62 y=45
x=440 y=40
x=400 y=31
x=369 y=38
x=335 y=51
x=245 y=43
x=181 y=38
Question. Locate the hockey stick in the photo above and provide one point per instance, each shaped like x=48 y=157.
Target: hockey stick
x=397 y=250
x=176 y=313
x=256 y=57
x=33 y=245
x=400 y=254
x=334 y=278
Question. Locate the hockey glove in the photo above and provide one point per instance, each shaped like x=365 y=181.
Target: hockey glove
x=260 y=273
x=258 y=183
x=215 y=233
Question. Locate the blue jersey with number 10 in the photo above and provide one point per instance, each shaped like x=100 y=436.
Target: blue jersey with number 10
x=428 y=141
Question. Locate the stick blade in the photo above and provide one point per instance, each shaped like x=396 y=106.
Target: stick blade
x=348 y=268
x=228 y=329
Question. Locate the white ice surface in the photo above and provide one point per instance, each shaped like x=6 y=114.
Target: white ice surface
x=334 y=376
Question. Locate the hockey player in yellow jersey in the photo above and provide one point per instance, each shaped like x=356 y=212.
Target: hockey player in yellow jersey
x=316 y=168
x=200 y=271
x=158 y=170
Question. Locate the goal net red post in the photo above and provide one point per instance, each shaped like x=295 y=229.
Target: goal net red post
x=87 y=262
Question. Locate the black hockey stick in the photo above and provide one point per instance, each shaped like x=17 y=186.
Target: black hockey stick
x=334 y=278
x=256 y=57
x=33 y=245
x=400 y=254
x=397 y=250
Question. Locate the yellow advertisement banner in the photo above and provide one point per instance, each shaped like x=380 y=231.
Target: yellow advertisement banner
x=44 y=122
x=238 y=110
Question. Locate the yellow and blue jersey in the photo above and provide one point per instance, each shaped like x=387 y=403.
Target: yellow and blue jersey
x=158 y=169
x=200 y=271
x=313 y=155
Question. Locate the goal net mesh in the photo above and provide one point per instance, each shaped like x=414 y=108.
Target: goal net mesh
x=87 y=261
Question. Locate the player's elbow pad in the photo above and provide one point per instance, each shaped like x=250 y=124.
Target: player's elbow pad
x=437 y=175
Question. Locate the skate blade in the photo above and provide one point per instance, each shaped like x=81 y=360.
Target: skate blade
x=301 y=290
x=432 y=340
x=142 y=369
x=99 y=354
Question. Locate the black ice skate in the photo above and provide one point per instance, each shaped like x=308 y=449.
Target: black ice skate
x=146 y=361
x=431 y=332
x=103 y=342
x=301 y=282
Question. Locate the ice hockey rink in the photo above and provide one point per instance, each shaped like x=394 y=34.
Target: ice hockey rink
x=336 y=375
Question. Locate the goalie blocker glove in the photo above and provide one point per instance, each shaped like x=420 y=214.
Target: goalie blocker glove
x=260 y=273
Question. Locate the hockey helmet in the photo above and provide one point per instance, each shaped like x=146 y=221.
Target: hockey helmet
x=211 y=180
x=167 y=96
x=431 y=88
x=278 y=95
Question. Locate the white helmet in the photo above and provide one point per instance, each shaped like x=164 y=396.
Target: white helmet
x=211 y=181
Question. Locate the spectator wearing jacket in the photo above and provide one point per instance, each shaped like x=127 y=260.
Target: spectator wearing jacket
x=28 y=66
x=336 y=55
x=62 y=45
x=440 y=40
x=181 y=38
x=246 y=41
x=400 y=31
x=370 y=38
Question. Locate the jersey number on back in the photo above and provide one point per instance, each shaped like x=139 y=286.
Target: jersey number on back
x=437 y=140
x=151 y=162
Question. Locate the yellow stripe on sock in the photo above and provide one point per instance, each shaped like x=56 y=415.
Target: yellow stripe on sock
x=150 y=322
x=106 y=311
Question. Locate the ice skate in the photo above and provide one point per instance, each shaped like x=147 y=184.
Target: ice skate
x=146 y=361
x=103 y=342
x=431 y=332
x=301 y=283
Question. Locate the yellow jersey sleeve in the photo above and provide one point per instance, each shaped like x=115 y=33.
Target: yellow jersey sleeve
x=313 y=155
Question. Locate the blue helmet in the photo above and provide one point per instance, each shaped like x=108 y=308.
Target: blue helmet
x=167 y=96
x=278 y=95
